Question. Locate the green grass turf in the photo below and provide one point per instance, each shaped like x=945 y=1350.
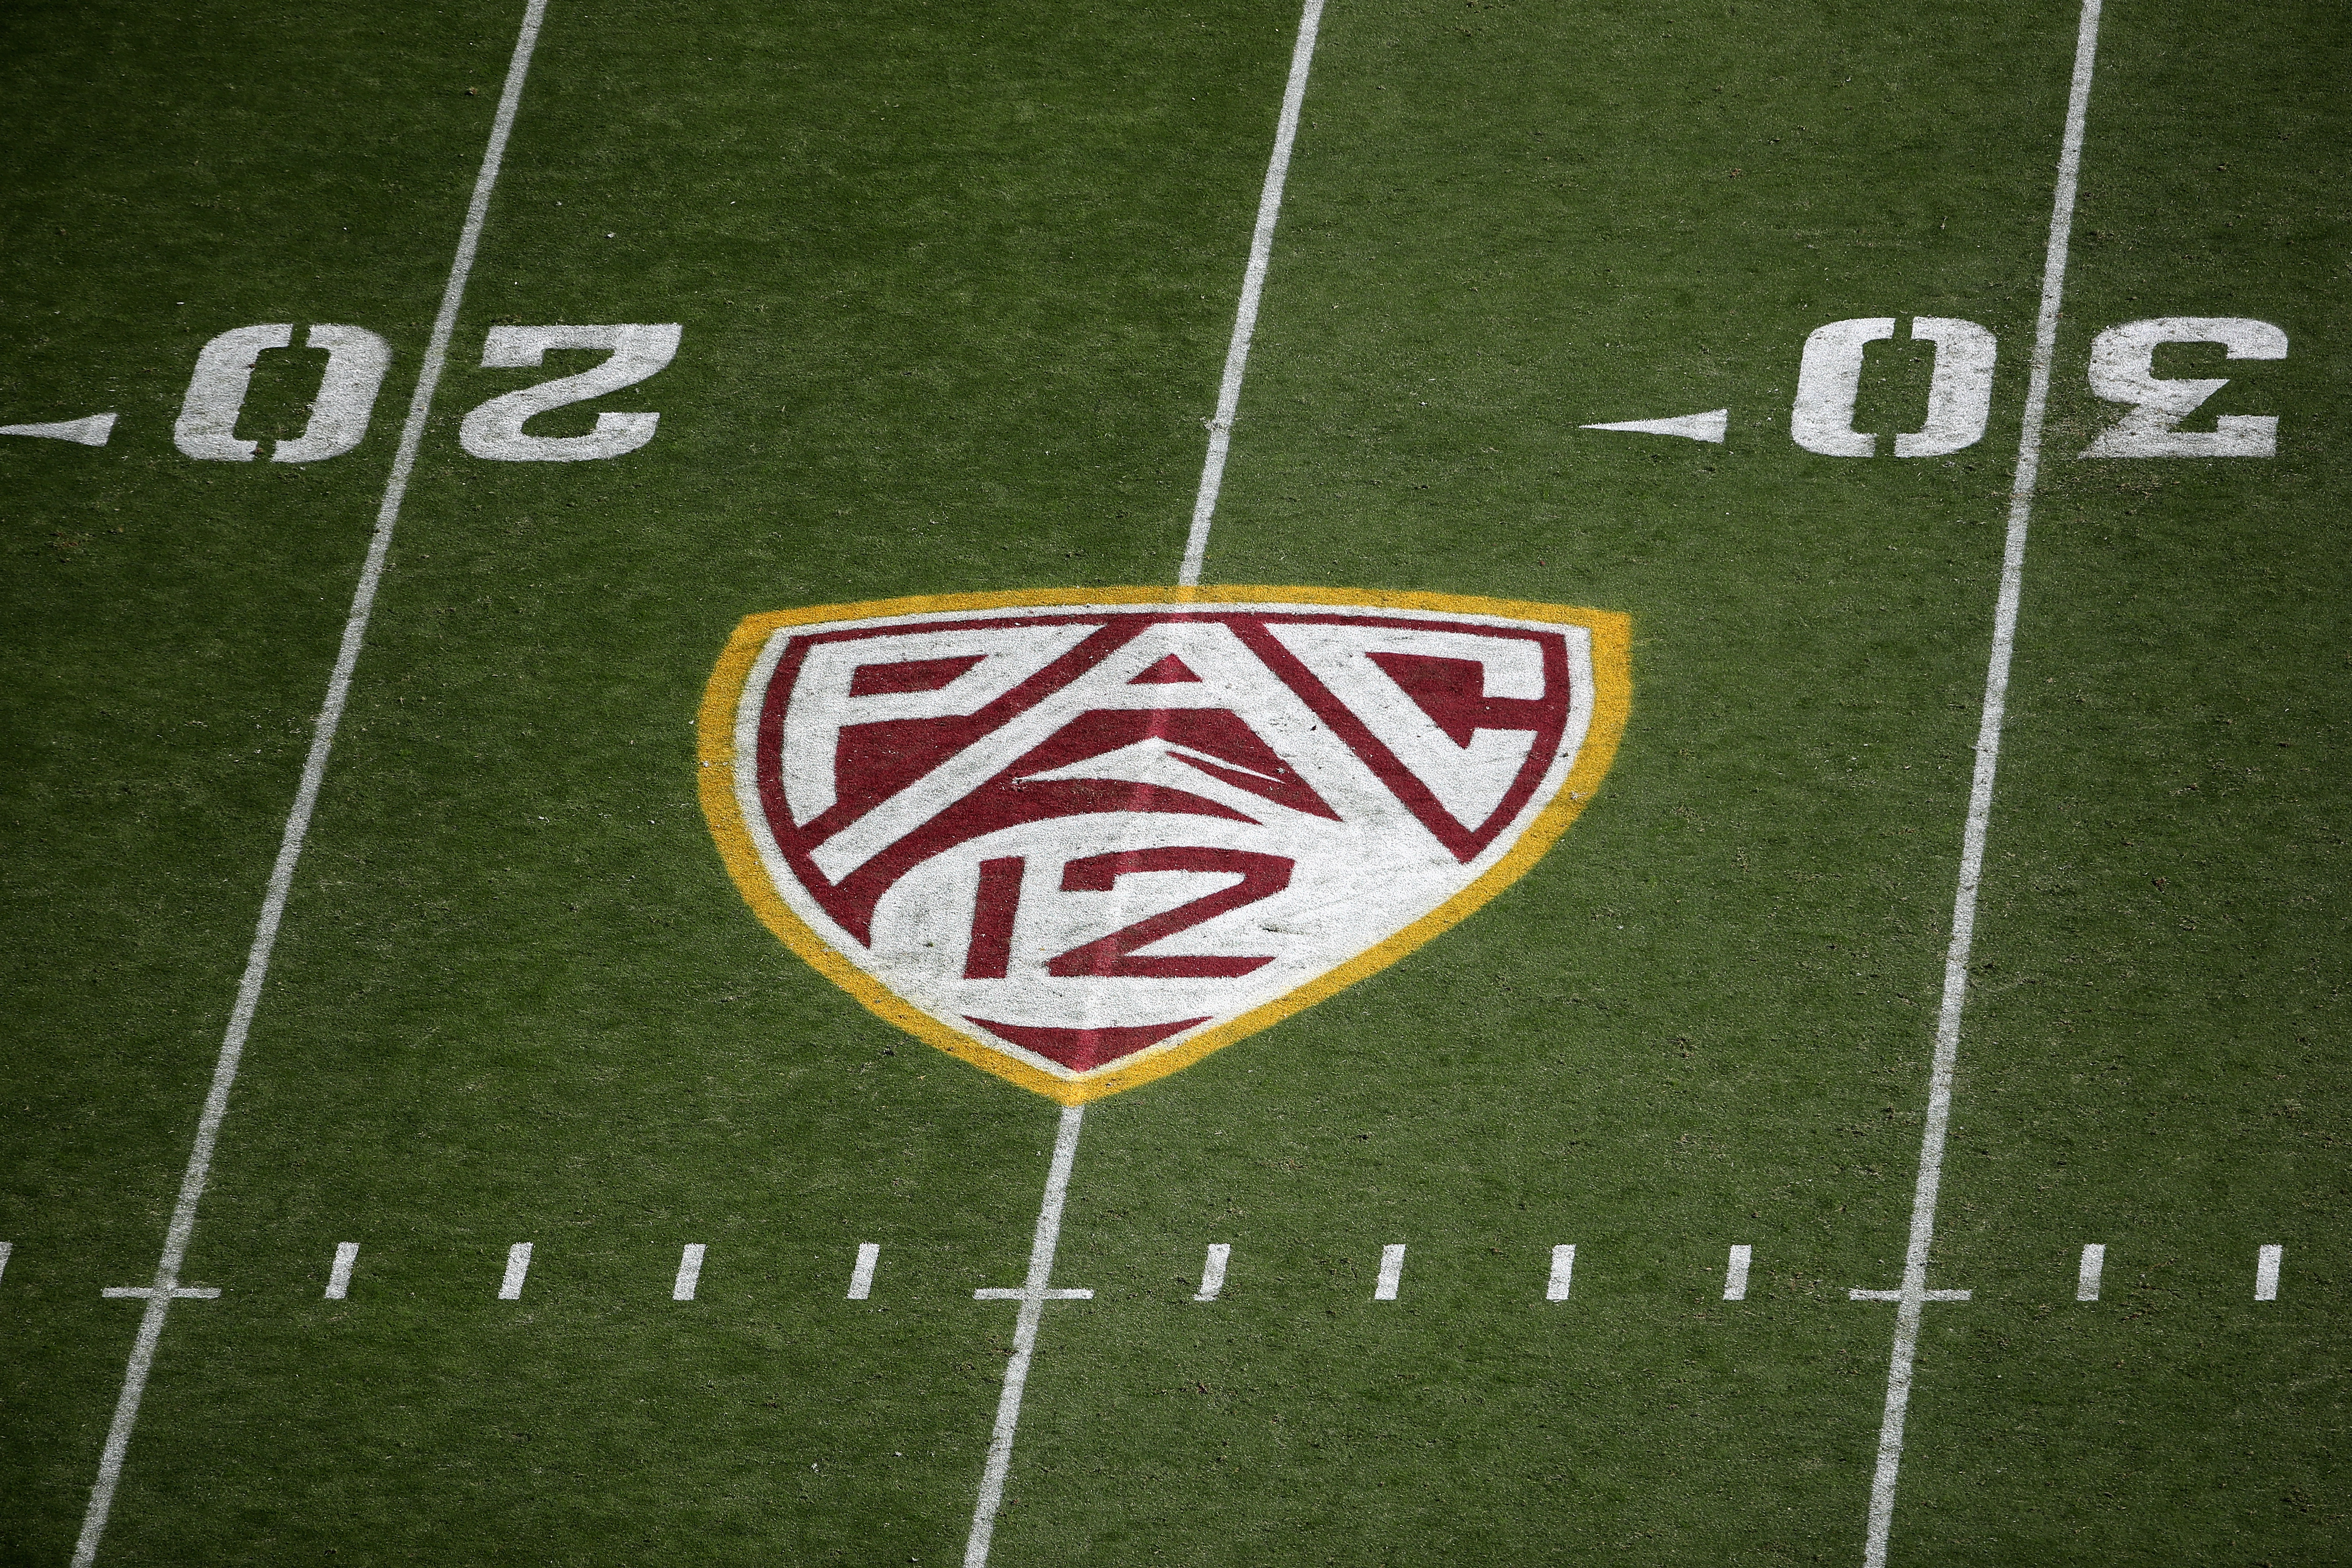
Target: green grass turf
x=955 y=282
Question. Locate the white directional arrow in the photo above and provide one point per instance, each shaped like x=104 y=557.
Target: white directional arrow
x=1707 y=426
x=90 y=432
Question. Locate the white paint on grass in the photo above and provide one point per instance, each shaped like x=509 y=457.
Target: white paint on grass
x=689 y=1273
x=1036 y=1291
x=356 y=362
x=1959 y=388
x=1032 y=1295
x=1734 y=1275
x=1563 y=1272
x=1261 y=253
x=1913 y=1297
x=339 y=1275
x=90 y=432
x=861 y=1274
x=199 y=1173
x=495 y=430
x=1392 y=1272
x=1829 y=379
x=2266 y=1272
x=207 y=427
x=2123 y=370
x=2086 y=1276
x=518 y=1268
x=1707 y=426
x=1212 y=1271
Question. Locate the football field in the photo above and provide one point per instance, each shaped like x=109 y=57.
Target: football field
x=1758 y=596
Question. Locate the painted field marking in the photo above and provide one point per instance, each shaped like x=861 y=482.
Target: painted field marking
x=861 y=1274
x=1734 y=1275
x=517 y=1267
x=1035 y=1295
x=151 y=1292
x=2266 y=1272
x=1914 y=1297
x=199 y=1173
x=90 y=432
x=297 y=831
x=1707 y=426
x=689 y=1272
x=5 y=1248
x=1563 y=1272
x=1392 y=1272
x=2086 y=1278
x=339 y=1275
x=1261 y=254
x=1032 y=1295
x=1212 y=1271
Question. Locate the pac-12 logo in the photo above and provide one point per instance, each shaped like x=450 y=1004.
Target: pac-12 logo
x=1085 y=838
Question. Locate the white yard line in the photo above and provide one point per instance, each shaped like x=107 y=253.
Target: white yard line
x=1032 y=1295
x=167 y=1287
x=1914 y=1296
x=1035 y=1293
x=1261 y=252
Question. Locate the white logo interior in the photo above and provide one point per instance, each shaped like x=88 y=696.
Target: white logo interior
x=1079 y=834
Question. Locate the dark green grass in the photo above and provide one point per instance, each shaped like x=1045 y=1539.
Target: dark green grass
x=955 y=283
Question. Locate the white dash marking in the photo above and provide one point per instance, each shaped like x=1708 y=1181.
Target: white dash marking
x=1032 y=1295
x=1392 y=1272
x=1734 y=1275
x=1212 y=1271
x=1913 y=1297
x=338 y=1277
x=861 y=1275
x=2086 y=1276
x=689 y=1272
x=518 y=1266
x=199 y=1173
x=1563 y=1272
x=1261 y=254
x=2266 y=1272
x=5 y=1248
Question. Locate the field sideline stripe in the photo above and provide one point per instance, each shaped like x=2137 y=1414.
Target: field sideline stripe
x=297 y=820
x=1913 y=1297
x=1261 y=254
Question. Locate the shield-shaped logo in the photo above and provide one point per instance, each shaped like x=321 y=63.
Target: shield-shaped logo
x=1082 y=838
